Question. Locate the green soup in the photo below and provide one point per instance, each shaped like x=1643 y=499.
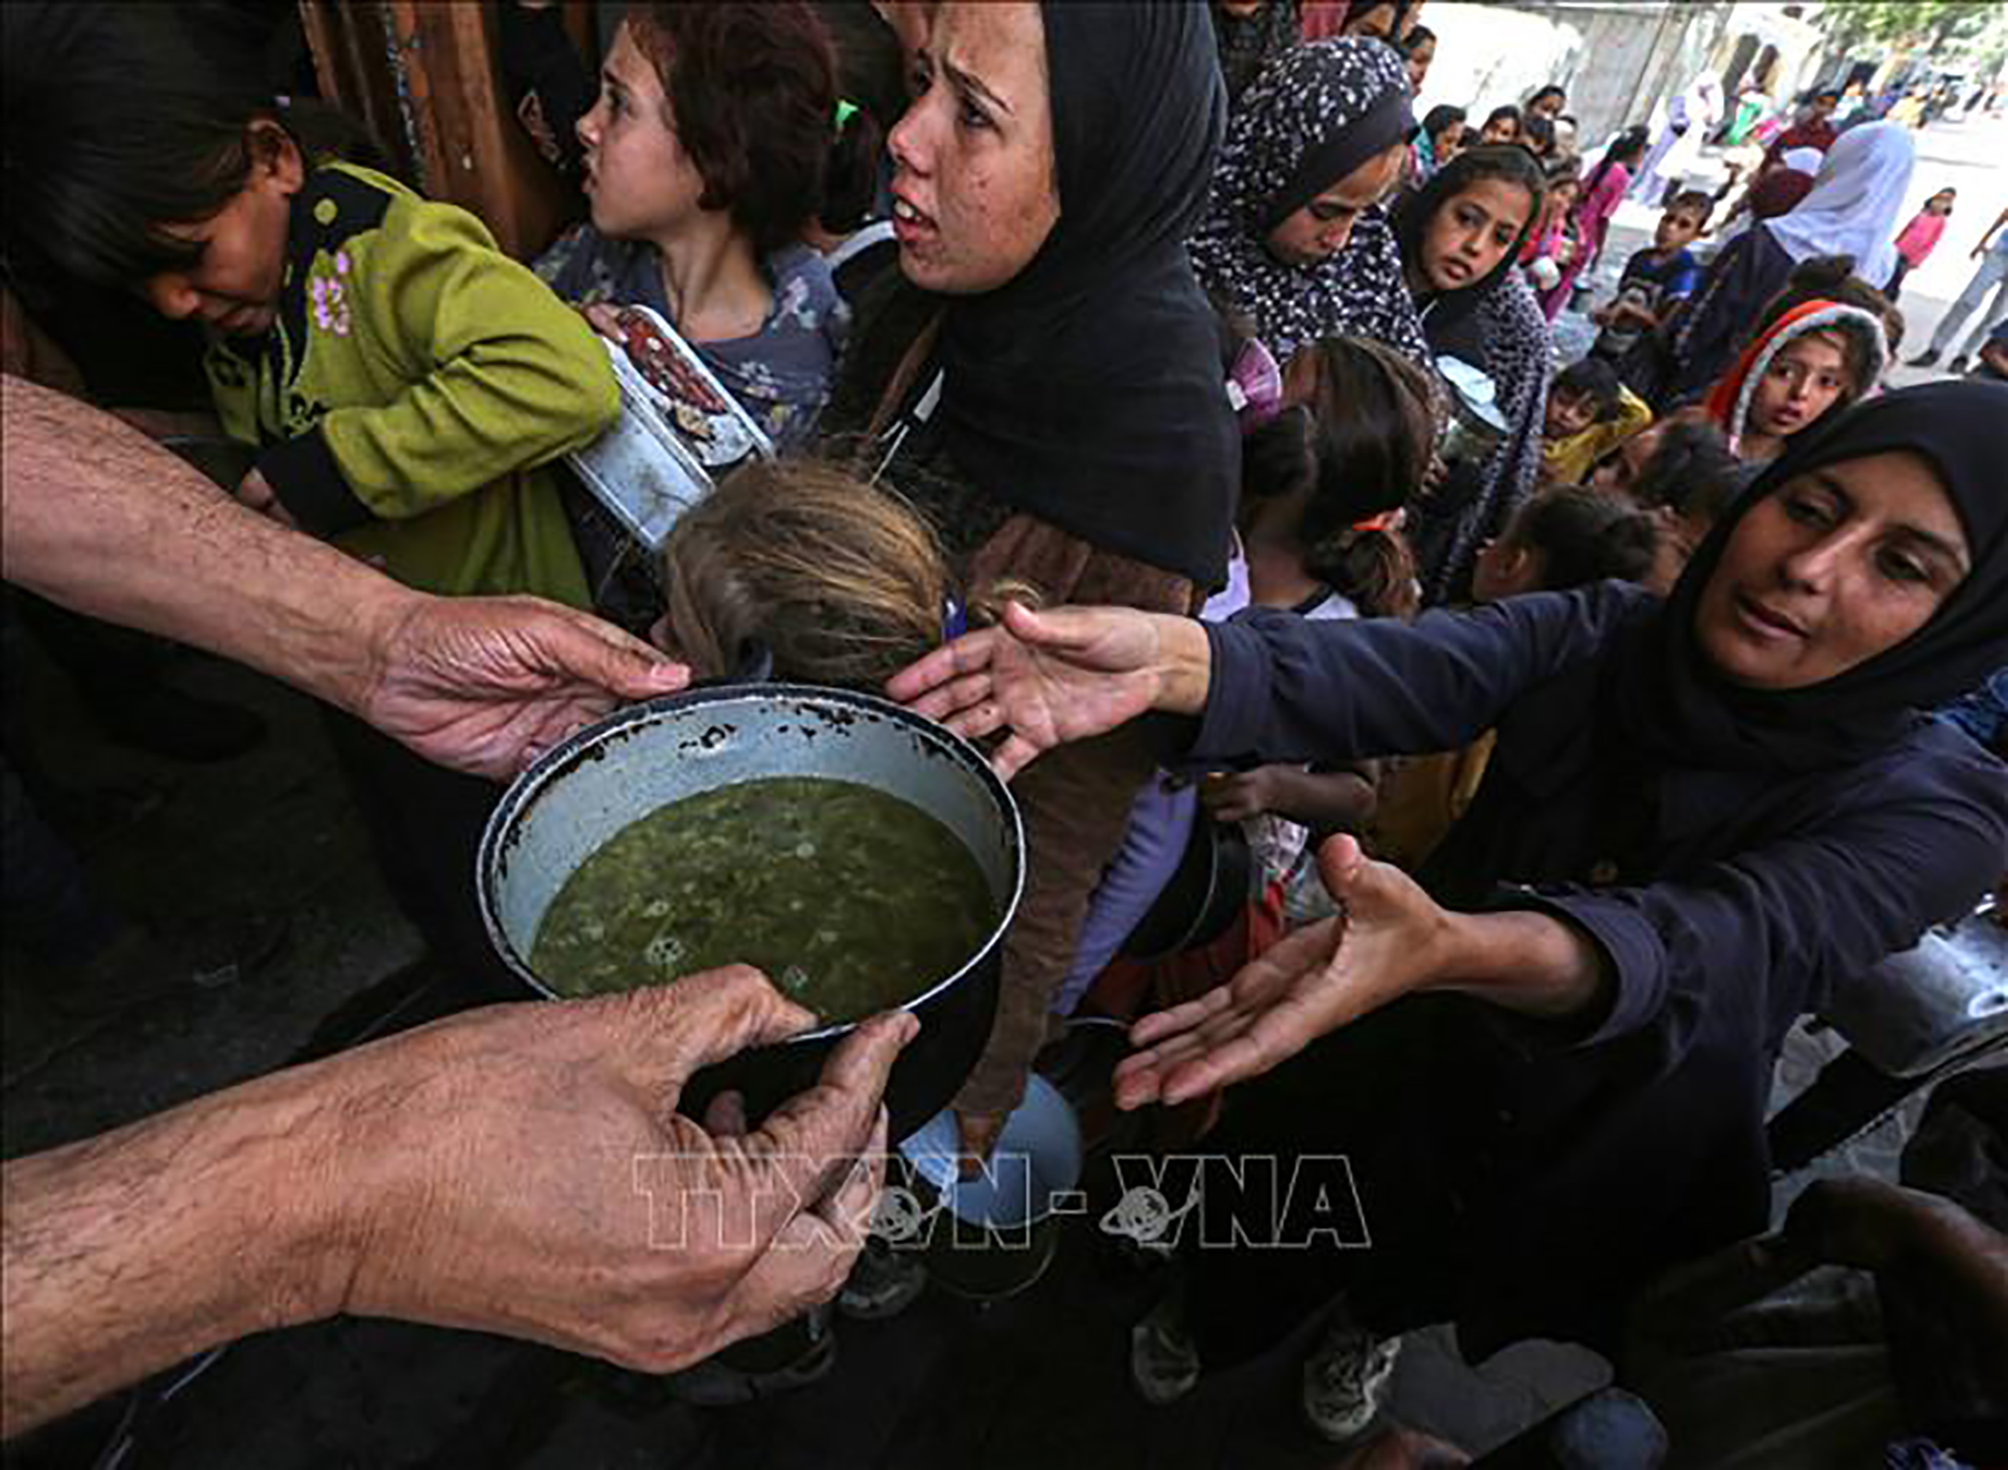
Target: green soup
x=851 y=900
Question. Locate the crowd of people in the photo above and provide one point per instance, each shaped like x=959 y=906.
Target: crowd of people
x=1583 y=718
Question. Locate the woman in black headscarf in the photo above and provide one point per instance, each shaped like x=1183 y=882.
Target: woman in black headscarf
x=1045 y=381
x=1548 y=1062
x=1460 y=236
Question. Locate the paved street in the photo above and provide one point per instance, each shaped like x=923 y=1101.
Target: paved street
x=1964 y=155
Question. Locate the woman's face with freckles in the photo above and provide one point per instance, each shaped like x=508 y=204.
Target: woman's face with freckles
x=975 y=188
x=1831 y=569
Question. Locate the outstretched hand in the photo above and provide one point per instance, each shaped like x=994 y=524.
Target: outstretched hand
x=487 y=684
x=1387 y=941
x=1052 y=677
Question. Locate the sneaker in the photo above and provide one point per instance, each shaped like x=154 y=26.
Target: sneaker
x=1959 y=364
x=1926 y=358
x=882 y=1284
x=1346 y=1379
x=1164 y=1360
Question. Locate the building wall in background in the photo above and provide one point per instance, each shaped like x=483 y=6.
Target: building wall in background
x=1619 y=59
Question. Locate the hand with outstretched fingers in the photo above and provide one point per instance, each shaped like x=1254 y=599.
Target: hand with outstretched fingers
x=1045 y=677
x=1386 y=942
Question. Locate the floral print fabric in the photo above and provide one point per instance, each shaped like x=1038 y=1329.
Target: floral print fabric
x=781 y=375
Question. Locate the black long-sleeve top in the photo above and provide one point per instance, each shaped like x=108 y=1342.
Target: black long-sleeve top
x=1633 y=1137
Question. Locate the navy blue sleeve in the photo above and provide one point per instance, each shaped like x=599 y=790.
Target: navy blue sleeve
x=1770 y=931
x=1288 y=689
x=1740 y=280
x=1683 y=281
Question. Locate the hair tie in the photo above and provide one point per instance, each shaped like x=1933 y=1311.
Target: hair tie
x=1255 y=386
x=1387 y=520
x=846 y=110
x=954 y=620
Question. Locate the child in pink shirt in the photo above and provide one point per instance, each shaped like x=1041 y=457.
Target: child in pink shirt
x=1919 y=237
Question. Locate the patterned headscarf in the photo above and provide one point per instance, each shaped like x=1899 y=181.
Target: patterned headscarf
x=1313 y=116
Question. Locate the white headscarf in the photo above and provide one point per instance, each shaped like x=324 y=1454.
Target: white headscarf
x=1806 y=160
x=1853 y=206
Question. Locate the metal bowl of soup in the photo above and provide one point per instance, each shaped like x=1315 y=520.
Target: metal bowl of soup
x=859 y=854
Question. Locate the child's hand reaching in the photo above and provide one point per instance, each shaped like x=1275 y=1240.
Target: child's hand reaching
x=1239 y=796
x=606 y=320
x=256 y=493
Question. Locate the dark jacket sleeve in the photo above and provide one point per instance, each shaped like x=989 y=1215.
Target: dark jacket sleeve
x=1740 y=281
x=1288 y=689
x=1771 y=930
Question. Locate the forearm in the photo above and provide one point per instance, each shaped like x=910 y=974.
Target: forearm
x=100 y=519
x=1524 y=961
x=1960 y=1263
x=1324 y=801
x=124 y=1254
x=1184 y=665
x=1286 y=689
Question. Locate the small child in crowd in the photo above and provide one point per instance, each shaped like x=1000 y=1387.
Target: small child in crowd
x=1685 y=481
x=707 y=158
x=1537 y=136
x=1438 y=140
x=1656 y=279
x=1815 y=359
x=1502 y=125
x=1323 y=486
x=1590 y=412
x=1920 y=237
x=1568 y=537
x=1550 y=244
x=800 y=567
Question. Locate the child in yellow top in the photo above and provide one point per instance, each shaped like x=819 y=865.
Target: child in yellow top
x=403 y=378
x=1590 y=413
x=409 y=381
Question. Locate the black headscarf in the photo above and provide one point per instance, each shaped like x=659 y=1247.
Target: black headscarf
x=1496 y=325
x=1452 y=312
x=1088 y=389
x=1673 y=702
x=1247 y=42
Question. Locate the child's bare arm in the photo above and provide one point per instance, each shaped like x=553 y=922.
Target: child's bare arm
x=1325 y=801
